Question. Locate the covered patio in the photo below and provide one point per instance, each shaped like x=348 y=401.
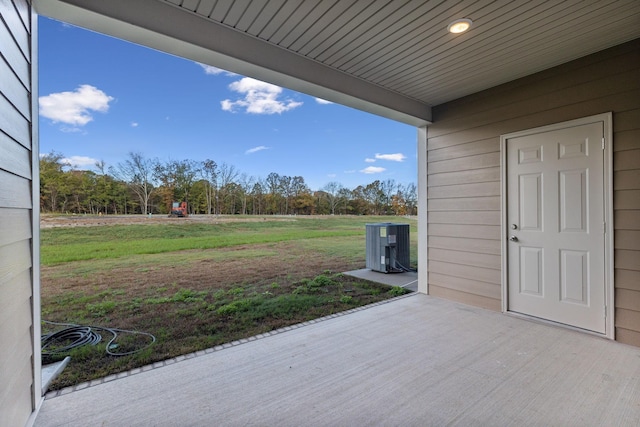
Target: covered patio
x=523 y=68
x=415 y=360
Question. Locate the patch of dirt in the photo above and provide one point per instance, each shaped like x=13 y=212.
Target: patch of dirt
x=288 y=264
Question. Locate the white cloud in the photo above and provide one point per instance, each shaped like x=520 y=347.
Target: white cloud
x=74 y=108
x=259 y=98
x=331 y=175
x=210 y=69
x=372 y=169
x=134 y=124
x=256 y=149
x=397 y=157
x=350 y=171
x=323 y=101
x=79 y=161
x=369 y=160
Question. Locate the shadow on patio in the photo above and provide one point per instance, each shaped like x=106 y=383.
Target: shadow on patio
x=415 y=360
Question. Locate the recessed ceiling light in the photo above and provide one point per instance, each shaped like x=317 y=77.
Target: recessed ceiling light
x=459 y=26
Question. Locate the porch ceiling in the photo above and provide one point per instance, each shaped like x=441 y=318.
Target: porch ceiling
x=389 y=57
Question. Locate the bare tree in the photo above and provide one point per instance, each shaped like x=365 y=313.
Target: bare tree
x=332 y=191
x=246 y=183
x=137 y=172
x=227 y=174
x=209 y=172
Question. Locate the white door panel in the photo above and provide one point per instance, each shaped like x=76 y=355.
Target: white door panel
x=555 y=214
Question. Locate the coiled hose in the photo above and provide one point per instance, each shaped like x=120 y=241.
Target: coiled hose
x=73 y=336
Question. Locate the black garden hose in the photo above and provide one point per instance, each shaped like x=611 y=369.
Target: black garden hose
x=73 y=336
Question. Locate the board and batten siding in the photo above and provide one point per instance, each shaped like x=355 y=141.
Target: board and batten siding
x=19 y=388
x=463 y=174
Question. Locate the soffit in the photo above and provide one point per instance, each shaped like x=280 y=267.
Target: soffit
x=380 y=55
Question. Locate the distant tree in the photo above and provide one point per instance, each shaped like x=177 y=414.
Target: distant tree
x=374 y=197
x=246 y=184
x=186 y=173
x=273 y=183
x=359 y=204
x=209 y=170
x=257 y=193
x=52 y=180
x=227 y=175
x=411 y=198
x=146 y=185
x=344 y=198
x=137 y=172
x=177 y=178
x=103 y=188
x=388 y=188
x=332 y=192
x=302 y=200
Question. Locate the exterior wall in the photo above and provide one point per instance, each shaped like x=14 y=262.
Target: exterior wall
x=19 y=389
x=463 y=150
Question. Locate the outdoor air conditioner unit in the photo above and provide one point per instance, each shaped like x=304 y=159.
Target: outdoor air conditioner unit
x=388 y=247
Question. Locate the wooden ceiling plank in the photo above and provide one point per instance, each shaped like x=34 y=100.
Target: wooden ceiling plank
x=237 y=10
x=269 y=10
x=296 y=25
x=399 y=34
x=320 y=29
x=205 y=7
x=251 y=14
x=544 y=45
x=489 y=75
x=437 y=43
x=220 y=10
x=450 y=49
x=465 y=54
x=309 y=23
x=319 y=41
x=538 y=24
x=342 y=30
x=190 y=5
x=279 y=19
x=367 y=28
x=424 y=40
x=413 y=18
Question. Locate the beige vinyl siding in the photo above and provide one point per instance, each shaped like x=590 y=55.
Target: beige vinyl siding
x=463 y=150
x=626 y=201
x=17 y=362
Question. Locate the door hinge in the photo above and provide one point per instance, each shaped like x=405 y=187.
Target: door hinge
x=603 y=143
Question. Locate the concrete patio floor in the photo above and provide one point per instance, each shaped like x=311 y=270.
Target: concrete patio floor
x=413 y=361
x=407 y=280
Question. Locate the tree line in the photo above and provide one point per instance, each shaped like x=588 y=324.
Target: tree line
x=141 y=185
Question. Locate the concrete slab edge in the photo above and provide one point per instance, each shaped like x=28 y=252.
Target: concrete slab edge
x=55 y=393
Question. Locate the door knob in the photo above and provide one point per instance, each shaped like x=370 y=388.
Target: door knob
x=513 y=238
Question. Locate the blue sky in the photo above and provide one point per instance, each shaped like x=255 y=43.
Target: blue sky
x=101 y=98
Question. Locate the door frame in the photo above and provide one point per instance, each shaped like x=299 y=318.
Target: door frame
x=607 y=120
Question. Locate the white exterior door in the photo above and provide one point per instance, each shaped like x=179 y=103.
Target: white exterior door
x=556 y=225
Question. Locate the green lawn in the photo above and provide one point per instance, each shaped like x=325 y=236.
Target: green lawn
x=196 y=285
